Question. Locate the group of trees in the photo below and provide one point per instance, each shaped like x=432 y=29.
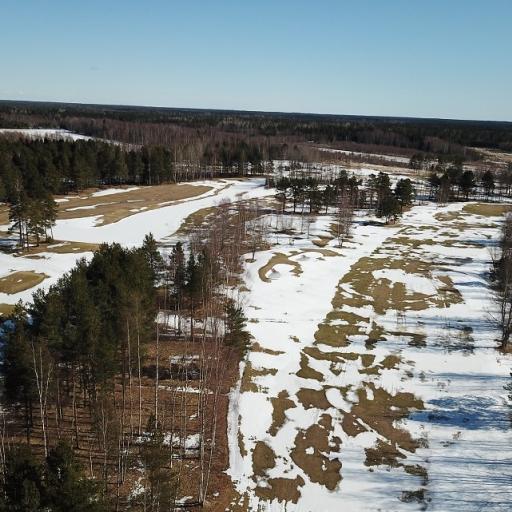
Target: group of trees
x=345 y=192
x=84 y=362
x=456 y=183
x=32 y=218
x=69 y=346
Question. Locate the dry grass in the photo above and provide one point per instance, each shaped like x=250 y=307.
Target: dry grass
x=256 y=347
x=114 y=207
x=263 y=459
x=6 y=309
x=324 y=252
x=311 y=454
x=316 y=353
x=281 y=489
x=278 y=259
x=336 y=335
x=322 y=240
x=280 y=405
x=383 y=410
x=251 y=373
x=313 y=398
x=20 y=281
x=383 y=453
x=60 y=247
x=195 y=220
x=487 y=209
x=306 y=372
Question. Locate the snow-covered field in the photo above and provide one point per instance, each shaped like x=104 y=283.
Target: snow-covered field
x=389 y=158
x=375 y=383
x=44 y=133
x=162 y=222
x=130 y=231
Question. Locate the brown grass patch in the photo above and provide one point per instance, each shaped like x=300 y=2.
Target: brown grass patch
x=263 y=459
x=251 y=373
x=487 y=209
x=448 y=293
x=282 y=489
x=278 y=259
x=322 y=240
x=20 y=281
x=65 y=247
x=324 y=252
x=383 y=453
x=311 y=451
x=316 y=353
x=241 y=444
x=336 y=335
x=313 y=398
x=306 y=372
x=280 y=405
x=195 y=220
x=383 y=410
x=6 y=309
x=256 y=347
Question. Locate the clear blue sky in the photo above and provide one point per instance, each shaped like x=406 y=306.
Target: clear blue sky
x=432 y=58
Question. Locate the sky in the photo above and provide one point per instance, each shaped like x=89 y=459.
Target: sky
x=435 y=58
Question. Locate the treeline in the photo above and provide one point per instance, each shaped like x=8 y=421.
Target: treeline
x=149 y=125
x=66 y=351
x=41 y=167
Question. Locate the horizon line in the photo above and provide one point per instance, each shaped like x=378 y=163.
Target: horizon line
x=251 y=111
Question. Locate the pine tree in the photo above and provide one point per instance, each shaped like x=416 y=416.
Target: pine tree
x=236 y=335
x=66 y=488
x=467 y=183
x=152 y=255
x=17 y=369
x=404 y=192
x=488 y=182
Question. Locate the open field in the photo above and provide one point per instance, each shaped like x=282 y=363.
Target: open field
x=76 y=237
x=375 y=370
x=121 y=204
x=114 y=204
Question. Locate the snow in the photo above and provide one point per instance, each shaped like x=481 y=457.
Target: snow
x=44 y=133
x=54 y=265
x=412 y=282
x=390 y=158
x=111 y=191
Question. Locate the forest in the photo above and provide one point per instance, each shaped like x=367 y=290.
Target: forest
x=272 y=132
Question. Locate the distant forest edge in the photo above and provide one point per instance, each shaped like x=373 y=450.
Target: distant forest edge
x=271 y=134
